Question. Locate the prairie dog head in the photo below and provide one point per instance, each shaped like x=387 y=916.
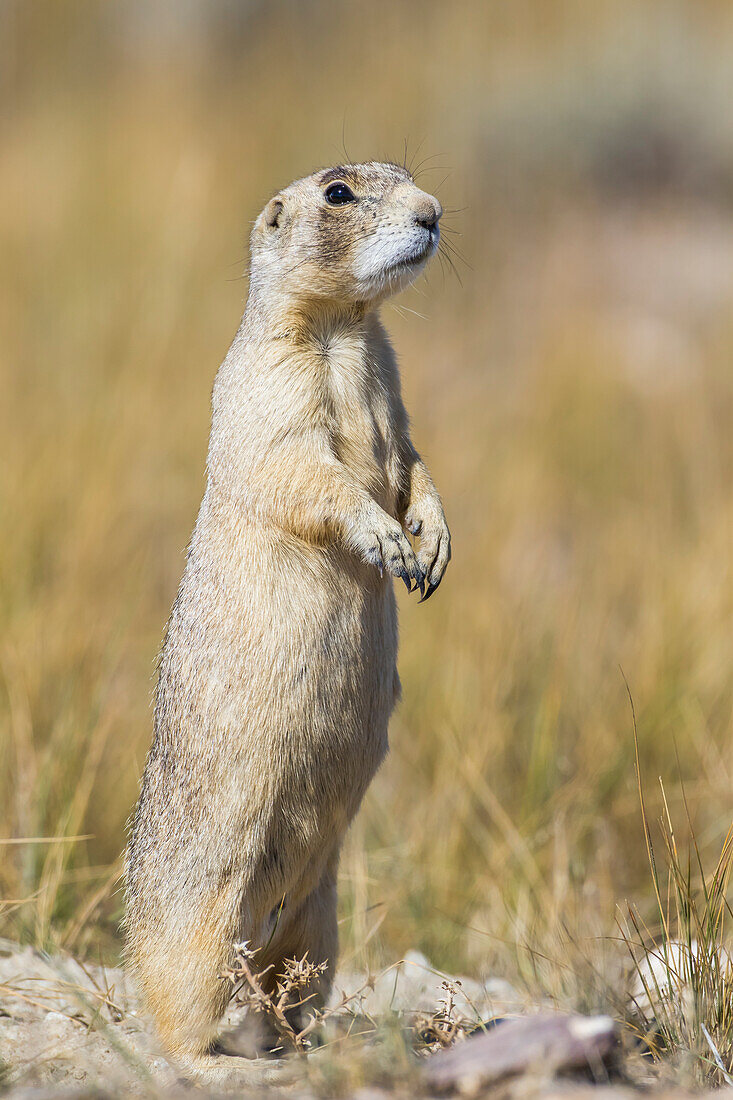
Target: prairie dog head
x=351 y=234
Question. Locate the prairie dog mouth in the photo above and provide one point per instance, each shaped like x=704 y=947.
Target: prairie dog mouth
x=418 y=257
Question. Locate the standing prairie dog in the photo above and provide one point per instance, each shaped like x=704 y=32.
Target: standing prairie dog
x=278 y=671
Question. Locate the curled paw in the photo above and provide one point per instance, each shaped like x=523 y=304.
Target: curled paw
x=428 y=524
x=383 y=543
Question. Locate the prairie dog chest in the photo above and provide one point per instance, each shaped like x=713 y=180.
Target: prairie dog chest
x=361 y=412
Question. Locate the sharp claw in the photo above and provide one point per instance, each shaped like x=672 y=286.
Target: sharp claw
x=431 y=589
x=406 y=579
x=421 y=585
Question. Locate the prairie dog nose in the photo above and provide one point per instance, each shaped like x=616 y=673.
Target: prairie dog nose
x=427 y=211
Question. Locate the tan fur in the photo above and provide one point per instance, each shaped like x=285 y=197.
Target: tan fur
x=278 y=670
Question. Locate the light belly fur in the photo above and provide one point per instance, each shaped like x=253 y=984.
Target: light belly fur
x=288 y=653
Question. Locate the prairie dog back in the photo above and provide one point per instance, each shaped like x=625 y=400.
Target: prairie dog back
x=278 y=670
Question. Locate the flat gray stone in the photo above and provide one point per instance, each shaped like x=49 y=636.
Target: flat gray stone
x=545 y=1044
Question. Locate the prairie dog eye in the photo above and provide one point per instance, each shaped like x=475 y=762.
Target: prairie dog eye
x=338 y=194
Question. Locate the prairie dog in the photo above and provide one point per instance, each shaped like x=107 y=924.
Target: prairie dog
x=278 y=669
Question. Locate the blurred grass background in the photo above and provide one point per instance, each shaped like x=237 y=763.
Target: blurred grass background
x=572 y=394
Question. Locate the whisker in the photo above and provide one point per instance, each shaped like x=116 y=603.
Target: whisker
x=441 y=261
x=414 y=156
x=425 y=166
x=434 y=168
x=417 y=288
x=456 y=253
x=406 y=309
x=454 y=272
x=444 y=179
x=453 y=248
x=453 y=254
x=452 y=266
x=343 y=140
x=426 y=160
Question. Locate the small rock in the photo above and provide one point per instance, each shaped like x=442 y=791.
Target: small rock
x=58 y=1026
x=547 y=1043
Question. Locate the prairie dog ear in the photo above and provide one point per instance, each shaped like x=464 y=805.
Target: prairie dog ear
x=273 y=212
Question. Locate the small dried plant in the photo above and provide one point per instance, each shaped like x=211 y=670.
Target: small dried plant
x=292 y=1000
x=446 y=1025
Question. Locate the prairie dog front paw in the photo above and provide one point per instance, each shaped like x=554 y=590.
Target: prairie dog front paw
x=426 y=520
x=380 y=541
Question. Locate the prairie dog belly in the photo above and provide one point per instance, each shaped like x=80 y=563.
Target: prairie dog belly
x=288 y=655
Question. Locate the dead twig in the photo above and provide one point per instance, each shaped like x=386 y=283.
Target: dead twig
x=293 y=992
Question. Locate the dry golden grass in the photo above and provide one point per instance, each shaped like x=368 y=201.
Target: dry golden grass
x=573 y=398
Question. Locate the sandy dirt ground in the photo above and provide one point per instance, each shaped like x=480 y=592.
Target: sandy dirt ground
x=65 y=1026
x=76 y=1030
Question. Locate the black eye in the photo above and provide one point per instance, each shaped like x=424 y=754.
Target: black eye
x=338 y=194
